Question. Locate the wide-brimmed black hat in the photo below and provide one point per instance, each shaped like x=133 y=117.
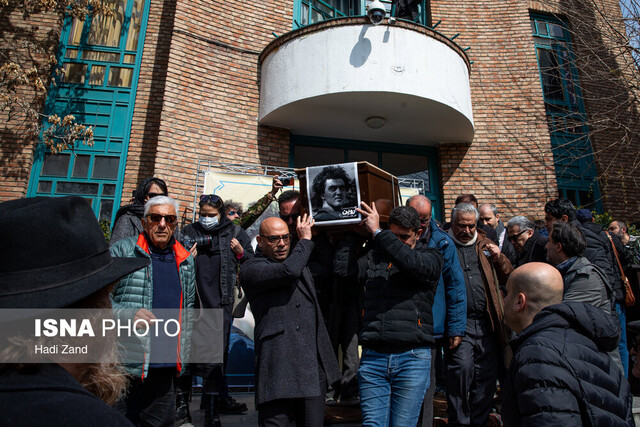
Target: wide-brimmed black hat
x=54 y=253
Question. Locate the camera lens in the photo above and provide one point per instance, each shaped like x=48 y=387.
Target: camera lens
x=377 y=16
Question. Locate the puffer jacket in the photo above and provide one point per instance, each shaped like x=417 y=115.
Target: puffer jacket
x=135 y=291
x=599 y=252
x=561 y=374
x=399 y=285
x=586 y=282
x=450 y=302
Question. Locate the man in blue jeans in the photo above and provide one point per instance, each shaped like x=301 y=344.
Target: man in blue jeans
x=399 y=276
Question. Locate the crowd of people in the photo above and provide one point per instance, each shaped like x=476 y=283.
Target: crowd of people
x=381 y=316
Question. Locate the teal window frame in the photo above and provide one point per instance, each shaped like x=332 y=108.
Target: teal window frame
x=566 y=115
x=433 y=192
x=107 y=107
x=308 y=12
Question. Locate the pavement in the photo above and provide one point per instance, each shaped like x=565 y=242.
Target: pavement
x=344 y=416
x=334 y=415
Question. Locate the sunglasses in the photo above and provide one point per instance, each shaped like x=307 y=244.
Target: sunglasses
x=286 y=218
x=232 y=213
x=514 y=237
x=157 y=218
x=210 y=198
x=152 y=195
x=286 y=238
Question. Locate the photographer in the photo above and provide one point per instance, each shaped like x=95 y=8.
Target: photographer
x=219 y=247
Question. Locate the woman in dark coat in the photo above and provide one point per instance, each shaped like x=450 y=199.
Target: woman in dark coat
x=127 y=222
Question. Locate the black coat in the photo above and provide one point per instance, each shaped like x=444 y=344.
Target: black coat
x=291 y=341
x=400 y=284
x=217 y=266
x=599 y=252
x=533 y=250
x=561 y=374
x=47 y=395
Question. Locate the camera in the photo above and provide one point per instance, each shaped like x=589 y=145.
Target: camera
x=376 y=12
x=285 y=180
x=201 y=242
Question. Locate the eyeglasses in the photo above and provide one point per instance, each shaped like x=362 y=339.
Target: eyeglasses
x=286 y=218
x=152 y=195
x=232 y=213
x=286 y=238
x=210 y=198
x=514 y=237
x=156 y=218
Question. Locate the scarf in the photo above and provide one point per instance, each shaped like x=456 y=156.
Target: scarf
x=459 y=243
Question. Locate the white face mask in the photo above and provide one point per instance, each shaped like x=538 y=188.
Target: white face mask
x=208 y=222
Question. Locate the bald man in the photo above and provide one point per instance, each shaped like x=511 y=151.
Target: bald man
x=561 y=373
x=294 y=359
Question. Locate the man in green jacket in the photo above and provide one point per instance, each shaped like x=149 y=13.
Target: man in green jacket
x=168 y=283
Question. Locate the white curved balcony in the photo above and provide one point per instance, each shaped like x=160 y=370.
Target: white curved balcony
x=328 y=79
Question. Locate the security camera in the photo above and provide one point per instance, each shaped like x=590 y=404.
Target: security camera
x=376 y=12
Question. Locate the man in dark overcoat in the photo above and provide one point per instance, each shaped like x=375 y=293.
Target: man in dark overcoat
x=294 y=359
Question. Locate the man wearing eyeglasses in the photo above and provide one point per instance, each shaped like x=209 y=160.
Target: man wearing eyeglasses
x=528 y=243
x=294 y=358
x=472 y=367
x=169 y=282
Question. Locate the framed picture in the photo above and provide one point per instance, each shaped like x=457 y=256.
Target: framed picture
x=334 y=193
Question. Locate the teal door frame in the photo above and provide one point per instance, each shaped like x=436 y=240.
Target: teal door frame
x=107 y=105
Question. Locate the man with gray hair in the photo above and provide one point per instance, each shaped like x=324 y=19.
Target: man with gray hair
x=489 y=216
x=169 y=282
x=528 y=243
x=472 y=367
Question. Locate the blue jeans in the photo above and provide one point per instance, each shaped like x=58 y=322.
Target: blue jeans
x=622 y=345
x=392 y=386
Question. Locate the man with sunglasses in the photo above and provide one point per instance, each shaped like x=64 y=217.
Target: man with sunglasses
x=473 y=366
x=294 y=358
x=528 y=243
x=169 y=282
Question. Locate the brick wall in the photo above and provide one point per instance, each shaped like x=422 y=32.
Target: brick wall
x=509 y=163
x=210 y=95
x=16 y=141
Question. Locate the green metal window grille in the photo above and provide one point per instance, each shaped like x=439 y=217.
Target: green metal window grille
x=566 y=117
x=307 y=12
x=101 y=58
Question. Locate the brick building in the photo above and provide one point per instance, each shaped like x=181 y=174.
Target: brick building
x=304 y=82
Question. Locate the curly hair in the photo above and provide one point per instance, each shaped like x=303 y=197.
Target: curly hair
x=328 y=172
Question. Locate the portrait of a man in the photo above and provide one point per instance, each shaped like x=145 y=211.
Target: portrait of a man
x=333 y=192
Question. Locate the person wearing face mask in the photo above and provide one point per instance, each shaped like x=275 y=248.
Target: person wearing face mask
x=220 y=247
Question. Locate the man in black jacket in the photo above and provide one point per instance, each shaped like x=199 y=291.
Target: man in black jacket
x=528 y=243
x=294 y=358
x=599 y=253
x=399 y=275
x=560 y=374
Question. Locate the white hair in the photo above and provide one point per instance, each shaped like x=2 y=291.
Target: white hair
x=464 y=208
x=161 y=200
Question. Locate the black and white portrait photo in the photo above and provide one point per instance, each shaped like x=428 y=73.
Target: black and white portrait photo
x=334 y=193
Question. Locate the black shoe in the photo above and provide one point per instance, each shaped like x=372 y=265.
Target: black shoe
x=211 y=417
x=182 y=409
x=228 y=405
